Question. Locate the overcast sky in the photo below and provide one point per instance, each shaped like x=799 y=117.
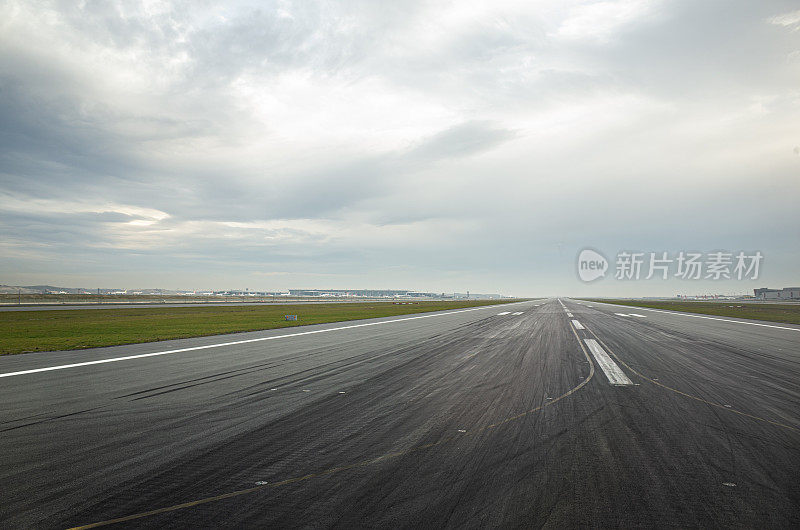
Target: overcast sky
x=413 y=145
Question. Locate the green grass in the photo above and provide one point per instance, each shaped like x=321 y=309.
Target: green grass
x=30 y=331
x=787 y=313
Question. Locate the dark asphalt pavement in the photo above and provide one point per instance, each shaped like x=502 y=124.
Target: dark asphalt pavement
x=461 y=419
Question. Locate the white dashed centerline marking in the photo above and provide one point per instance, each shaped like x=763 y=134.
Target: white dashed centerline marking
x=569 y=315
x=613 y=372
x=621 y=314
x=504 y=313
x=635 y=315
x=577 y=325
x=517 y=313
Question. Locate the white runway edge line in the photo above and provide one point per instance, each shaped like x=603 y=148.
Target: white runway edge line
x=613 y=372
x=577 y=325
x=233 y=343
x=715 y=318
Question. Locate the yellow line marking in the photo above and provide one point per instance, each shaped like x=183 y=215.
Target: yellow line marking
x=690 y=396
x=363 y=463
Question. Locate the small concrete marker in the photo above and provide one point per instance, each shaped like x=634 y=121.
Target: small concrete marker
x=262 y=483
x=729 y=484
x=462 y=430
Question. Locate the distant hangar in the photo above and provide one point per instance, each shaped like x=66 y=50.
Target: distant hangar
x=787 y=293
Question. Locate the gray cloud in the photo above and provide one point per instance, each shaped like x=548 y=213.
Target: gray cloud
x=465 y=139
x=428 y=146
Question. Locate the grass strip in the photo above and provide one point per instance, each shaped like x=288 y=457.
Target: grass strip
x=31 y=331
x=786 y=313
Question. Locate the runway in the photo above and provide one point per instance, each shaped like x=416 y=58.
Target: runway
x=546 y=413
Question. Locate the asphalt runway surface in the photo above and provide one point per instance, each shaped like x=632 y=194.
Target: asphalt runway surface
x=486 y=417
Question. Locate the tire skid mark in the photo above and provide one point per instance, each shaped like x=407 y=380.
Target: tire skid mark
x=363 y=463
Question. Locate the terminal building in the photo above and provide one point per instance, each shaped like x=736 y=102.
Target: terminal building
x=787 y=293
x=366 y=293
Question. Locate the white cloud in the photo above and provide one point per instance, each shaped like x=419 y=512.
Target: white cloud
x=787 y=20
x=354 y=139
x=34 y=205
x=601 y=21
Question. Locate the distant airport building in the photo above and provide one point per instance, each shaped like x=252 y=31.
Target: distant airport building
x=787 y=293
x=387 y=293
x=370 y=293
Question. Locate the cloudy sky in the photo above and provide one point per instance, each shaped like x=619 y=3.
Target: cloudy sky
x=415 y=145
